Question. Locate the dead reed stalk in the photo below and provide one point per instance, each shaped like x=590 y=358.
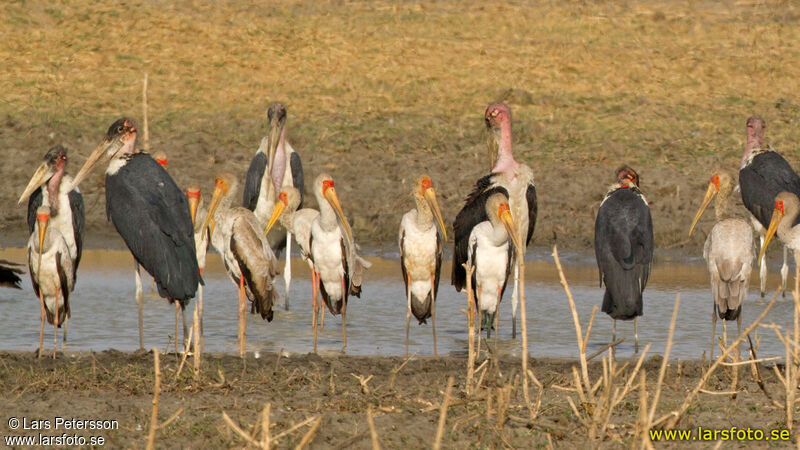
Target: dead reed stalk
x=154 y=425
x=145 y=127
x=374 y=434
x=471 y=329
x=443 y=414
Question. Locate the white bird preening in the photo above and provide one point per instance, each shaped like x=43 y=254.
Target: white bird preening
x=337 y=268
x=296 y=222
x=492 y=256
x=728 y=251
x=244 y=250
x=50 y=266
x=201 y=242
x=421 y=255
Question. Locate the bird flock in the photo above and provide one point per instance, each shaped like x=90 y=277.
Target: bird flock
x=169 y=230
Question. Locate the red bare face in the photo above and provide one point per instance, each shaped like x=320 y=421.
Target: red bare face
x=715 y=181
x=502 y=208
x=162 y=161
x=326 y=184
x=496 y=114
x=779 y=207
x=193 y=193
x=426 y=184
x=626 y=176
x=220 y=183
x=42 y=217
x=284 y=198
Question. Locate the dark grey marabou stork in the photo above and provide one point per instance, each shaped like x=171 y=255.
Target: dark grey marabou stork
x=338 y=270
x=491 y=254
x=421 y=247
x=243 y=247
x=275 y=157
x=151 y=214
x=9 y=274
x=623 y=246
x=516 y=180
x=728 y=251
x=50 y=186
x=764 y=174
x=50 y=266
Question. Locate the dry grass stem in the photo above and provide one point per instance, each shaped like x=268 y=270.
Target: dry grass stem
x=374 y=434
x=443 y=415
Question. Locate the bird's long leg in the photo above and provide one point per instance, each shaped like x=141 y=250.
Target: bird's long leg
x=497 y=315
x=315 y=303
x=478 y=317
x=613 y=336
x=139 y=304
x=55 y=327
x=344 y=316
x=41 y=329
x=636 y=335
x=200 y=314
x=177 y=313
x=713 y=330
x=185 y=330
x=242 y=316
x=433 y=314
x=287 y=270
x=152 y=285
x=725 y=334
x=408 y=308
x=739 y=331
x=514 y=299
x=66 y=324
x=762 y=273
x=784 y=270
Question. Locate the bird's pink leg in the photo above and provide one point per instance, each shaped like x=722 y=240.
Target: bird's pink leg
x=242 y=322
x=433 y=313
x=344 y=317
x=408 y=308
x=55 y=328
x=497 y=314
x=315 y=303
x=478 y=318
x=41 y=329
x=177 y=312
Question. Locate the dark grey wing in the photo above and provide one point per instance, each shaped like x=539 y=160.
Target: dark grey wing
x=297 y=176
x=252 y=184
x=78 y=227
x=762 y=180
x=8 y=274
x=62 y=278
x=152 y=215
x=34 y=202
x=533 y=210
x=439 y=252
x=473 y=213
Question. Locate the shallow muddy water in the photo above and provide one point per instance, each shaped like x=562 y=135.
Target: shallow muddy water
x=104 y=312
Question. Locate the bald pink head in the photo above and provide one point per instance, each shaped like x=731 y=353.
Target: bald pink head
x=626 y=175
x=755 y=136
x=498 y=122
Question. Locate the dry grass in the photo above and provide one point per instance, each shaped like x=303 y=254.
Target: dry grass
x=402 y=87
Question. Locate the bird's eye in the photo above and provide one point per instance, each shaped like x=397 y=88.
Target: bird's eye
x=119 y=129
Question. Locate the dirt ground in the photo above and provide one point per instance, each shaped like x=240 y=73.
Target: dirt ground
x=405 y=403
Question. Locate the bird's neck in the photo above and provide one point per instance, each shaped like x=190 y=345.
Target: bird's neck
x=279 y=162
x=224 y=206
x=753 y=147
x=722 y=206
x=499 y=234
x=424 y=217
x=327 y=216
x=505 y=158
x=53 y=188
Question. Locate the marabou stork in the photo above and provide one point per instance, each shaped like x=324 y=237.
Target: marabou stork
x=728 y=251
x=492 y=256
x=151 y=214
x=337 y=268
x=623 y=246
x=201 y=242
x=762 y=176
x=50 y=186
x=50 y=266
x=242 y=245
x=517 y=181
x=275 y=157
x=784 y=221
x=9 y=274
x=421 y=255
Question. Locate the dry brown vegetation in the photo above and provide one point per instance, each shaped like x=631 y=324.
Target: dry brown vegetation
x=380 y=91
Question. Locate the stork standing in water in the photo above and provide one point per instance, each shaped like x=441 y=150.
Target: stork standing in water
x=151 y=214
x=51 y=186
x=421 y=255
x=492 y=256
x=764 y=174
x=240 y=241
x=276 y=159
x=201 y=243
x=623 y=245
x=9 y=274
x=338 y=271
x=50 y=266
x=728 y=251
x=296 y=222
x=517 y=181
x=785 y=221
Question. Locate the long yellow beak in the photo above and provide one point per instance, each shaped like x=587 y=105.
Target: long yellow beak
x=96 y=156
x=777 y=215
x=43 y=220
x=194 y=201
x=215 y=201
x=508 y=222
x=276 y=213
x=430 y=196
x=333 y=199
x=710 y=193
x=40 y=177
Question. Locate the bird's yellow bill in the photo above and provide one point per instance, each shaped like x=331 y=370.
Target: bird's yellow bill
x=430 y=196
x=194 y=200
x=40 y=177
x=508 y=222
x=777 y=215
x=333 y=199
x=42 y=219
x=710 y=193
x=103 y=148
x=216 y=198
x=276 y=213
